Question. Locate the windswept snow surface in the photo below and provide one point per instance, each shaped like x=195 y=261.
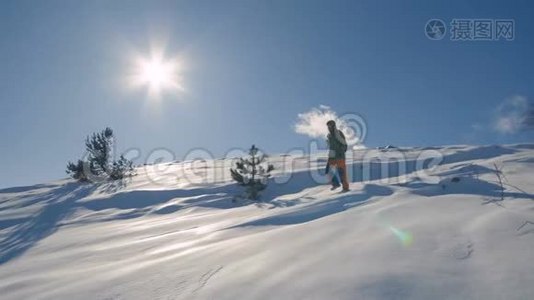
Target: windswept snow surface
x=174 y=231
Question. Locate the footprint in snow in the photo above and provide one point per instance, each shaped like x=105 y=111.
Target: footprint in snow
x=456 y=247
x=203 y=280
x=525 y=228
x=462 y=250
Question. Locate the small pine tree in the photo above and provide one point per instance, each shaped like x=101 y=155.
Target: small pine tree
x=76 y=171
x=121 y=168
x=252 y=172
x=99 y=164
x=99 y=147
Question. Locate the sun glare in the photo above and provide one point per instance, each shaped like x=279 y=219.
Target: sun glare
x=157 y=74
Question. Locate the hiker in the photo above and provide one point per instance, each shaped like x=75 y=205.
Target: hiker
x=337 y=146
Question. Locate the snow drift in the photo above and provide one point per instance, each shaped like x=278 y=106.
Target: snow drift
x=452 y=232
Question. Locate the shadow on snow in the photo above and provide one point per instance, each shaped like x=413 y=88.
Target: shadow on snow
x=321 y=209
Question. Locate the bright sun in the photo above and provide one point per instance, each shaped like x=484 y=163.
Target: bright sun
x=157 y=74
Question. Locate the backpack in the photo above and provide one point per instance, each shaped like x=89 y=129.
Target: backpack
x=344 y=145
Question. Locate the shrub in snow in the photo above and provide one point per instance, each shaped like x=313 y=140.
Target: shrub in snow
x=99 y=147
x=75 y=170
x=98 y=163
x=252 y=172
x=121 y=168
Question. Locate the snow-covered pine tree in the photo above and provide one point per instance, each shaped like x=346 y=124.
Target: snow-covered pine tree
x=99 y=147
x=252 y=172
x=122 y=168
x=76 y=170
x=98 y=163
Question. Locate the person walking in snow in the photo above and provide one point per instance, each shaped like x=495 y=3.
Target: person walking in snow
x=337 y=145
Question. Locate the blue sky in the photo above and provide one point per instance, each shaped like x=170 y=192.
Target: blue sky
x=250 y=67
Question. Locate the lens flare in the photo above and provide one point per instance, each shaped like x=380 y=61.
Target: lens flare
x=405 y=237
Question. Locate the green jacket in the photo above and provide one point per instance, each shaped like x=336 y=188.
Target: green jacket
x=337 y=144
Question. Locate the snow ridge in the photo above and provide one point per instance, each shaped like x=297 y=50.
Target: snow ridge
x=449 y=231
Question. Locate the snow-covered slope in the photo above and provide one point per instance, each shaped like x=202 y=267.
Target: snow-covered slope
x=442 y=233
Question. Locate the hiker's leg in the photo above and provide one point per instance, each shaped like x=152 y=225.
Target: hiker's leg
x=335 y=179
x=342 y=167
x=333 y=170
